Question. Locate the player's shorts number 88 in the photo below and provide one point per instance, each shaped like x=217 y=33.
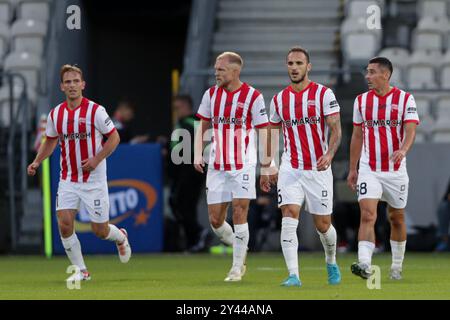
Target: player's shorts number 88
x=361 y=188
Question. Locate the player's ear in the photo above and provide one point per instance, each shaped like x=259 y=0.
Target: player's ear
x=61 y=85
x=309 y=67
x=83 y=85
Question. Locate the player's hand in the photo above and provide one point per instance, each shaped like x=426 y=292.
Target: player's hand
x=272 y=172
x=264 y=183
x=398 y=156
x=352 y=179
x=324 y=162
x=31 y=169
x=199 y=164
x=89 y=164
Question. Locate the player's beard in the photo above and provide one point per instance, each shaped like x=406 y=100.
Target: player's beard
x=75 y=96
x=222 y=83
x=297 y=81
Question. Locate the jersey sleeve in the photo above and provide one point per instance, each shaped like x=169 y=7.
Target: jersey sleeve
x=330 y=104
x=204 y=111
x=259 y=114
x=275 y=118
x=410 y=114
x=103 y=122
x=50 y=129
x=357 y=116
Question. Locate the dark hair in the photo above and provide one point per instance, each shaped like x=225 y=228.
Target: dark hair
x=384 y=62
x=298 y=49
x=185 y=98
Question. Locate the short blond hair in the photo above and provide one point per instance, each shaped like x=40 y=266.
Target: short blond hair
x=232 y=57
x=70 y=68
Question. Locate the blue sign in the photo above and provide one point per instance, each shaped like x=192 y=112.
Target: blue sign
x=135 y=194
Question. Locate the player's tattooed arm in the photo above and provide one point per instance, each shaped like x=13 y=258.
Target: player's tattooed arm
x=334 y=123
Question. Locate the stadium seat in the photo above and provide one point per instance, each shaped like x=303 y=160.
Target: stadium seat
x=424 y=104
x=34 y=9
x=447 y=41
x=397 y=77
x=357 y=55
x=433 y=8
x=4 y=39
x=398 y=56
x=6 y=10
x=441 y=128
x=445 y=71
x=427 y=40
x=421 y=76
x=442 y=109
x=353 y=24
x=432 y=57
x=438 y=24
x=358 y=8
x=26 y=64
x=28 y=36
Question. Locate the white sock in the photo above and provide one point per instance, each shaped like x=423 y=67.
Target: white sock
x=115 y=234
x=289 y=244
x=225 y=233
x=240 y=243
x=73 y=250
x=398 y=253
x=328 y=240
x=365 y=251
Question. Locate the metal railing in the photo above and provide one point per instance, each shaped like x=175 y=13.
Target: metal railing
x=15 y=117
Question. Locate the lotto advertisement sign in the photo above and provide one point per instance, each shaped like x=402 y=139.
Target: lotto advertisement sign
x=135 y=197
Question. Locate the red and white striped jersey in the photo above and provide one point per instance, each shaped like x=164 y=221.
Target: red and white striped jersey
x=302 y=115
x=382 y=120
x=234 y=116
x=80 y=132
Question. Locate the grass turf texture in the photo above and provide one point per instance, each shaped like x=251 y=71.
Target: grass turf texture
x=425 y=276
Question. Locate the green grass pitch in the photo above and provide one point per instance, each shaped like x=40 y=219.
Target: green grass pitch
x=163 y=276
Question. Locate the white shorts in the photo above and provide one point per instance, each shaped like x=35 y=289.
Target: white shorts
x=224 y=186
x=310 y=186
x=391 y=187
x=93 y=195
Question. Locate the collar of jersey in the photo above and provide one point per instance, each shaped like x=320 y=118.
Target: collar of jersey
x=304 y=89
x=390 y=91
x=84 y=102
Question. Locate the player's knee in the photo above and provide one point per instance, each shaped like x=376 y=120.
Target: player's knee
x=215 y=222
x=289 y=212
x=368 y=217
x=323 y=225
x=66 y=229
x=397 y=221
x=239 y=211
x=100 y=231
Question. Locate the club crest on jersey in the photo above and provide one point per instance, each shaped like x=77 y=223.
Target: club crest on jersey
x=395 y=106
x=82 y=120
x=240 y=105
x=311 y=103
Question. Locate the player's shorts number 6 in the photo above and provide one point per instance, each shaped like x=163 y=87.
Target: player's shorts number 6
x=280 y=199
